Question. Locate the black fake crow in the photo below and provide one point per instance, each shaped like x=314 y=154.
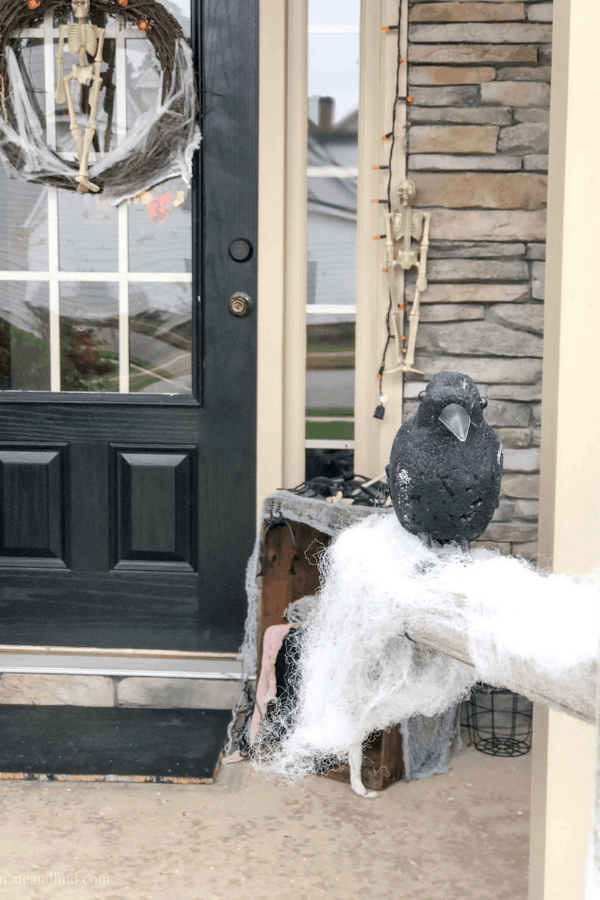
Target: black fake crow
x=446 y=464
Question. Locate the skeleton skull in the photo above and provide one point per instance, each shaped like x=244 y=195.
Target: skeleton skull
x=406 y=189
x=80 y=8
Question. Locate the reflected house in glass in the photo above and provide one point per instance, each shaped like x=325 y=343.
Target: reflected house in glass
x=332 y=157
x=332 y=170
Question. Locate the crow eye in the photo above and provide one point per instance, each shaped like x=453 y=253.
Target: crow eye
x=483 y=402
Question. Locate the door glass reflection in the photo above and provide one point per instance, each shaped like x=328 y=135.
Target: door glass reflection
x=88 y=232
x=24 y=336
x=160 y=229
x=160 y=338
x=23 y=225
x=89 y=336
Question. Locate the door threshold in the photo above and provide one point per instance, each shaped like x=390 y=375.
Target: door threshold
x=139 y=663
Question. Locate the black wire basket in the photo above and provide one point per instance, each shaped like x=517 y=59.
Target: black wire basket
x=499 y=721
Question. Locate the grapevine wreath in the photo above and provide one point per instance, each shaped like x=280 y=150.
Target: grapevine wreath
x=162 y=141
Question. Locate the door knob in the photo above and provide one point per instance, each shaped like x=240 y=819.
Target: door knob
x=240 y=304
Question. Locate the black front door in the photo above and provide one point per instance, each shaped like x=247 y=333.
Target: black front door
x=127 y=409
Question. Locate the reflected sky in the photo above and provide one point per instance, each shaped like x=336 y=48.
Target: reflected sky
x=333 y=58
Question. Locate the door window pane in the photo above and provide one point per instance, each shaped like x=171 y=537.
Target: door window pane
x=160 y=339
x=333 y=48
x=88 y=233
x=23 y=225
x=24 y=336
x=160 y=229
x=89 y=336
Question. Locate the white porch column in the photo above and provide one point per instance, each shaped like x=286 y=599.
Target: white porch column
x=563 y=748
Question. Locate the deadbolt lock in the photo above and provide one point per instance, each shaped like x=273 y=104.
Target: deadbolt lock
x=240 y=304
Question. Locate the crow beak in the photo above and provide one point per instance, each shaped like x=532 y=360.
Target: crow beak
x=456 y=419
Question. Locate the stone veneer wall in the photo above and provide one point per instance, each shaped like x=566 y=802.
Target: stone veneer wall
x=479 y=73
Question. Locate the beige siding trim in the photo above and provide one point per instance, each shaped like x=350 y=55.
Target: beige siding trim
x=295 y=243
x=271 y=247
x=373 y=437
x=281 y=245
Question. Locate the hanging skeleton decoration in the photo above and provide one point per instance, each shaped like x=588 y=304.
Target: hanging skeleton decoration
x=403 y=226
x=84 y=39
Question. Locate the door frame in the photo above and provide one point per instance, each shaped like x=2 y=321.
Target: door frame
x=281 y=287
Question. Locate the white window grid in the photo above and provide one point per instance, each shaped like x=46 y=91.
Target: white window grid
x=54 y=276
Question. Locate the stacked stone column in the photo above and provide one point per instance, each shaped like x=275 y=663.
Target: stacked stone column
x=477 y=145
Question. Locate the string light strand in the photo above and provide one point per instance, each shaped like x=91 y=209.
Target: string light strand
x=391 y=136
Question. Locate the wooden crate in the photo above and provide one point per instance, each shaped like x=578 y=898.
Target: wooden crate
x=290 y=573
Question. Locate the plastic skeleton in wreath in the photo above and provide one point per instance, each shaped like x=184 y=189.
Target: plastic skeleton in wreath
x=402 y=226
x=84 y=40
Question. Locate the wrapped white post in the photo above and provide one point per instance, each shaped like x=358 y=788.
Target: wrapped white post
x=569 y=535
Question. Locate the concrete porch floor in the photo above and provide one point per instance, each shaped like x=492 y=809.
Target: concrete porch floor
x=462 y=836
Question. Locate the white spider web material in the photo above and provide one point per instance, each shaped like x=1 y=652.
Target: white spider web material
x=359 y=672
x=427 y=740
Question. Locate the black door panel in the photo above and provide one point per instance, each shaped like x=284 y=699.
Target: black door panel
x=34 y=506
x=154 y=511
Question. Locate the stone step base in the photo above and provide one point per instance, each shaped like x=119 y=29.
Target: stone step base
x=117 y=690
